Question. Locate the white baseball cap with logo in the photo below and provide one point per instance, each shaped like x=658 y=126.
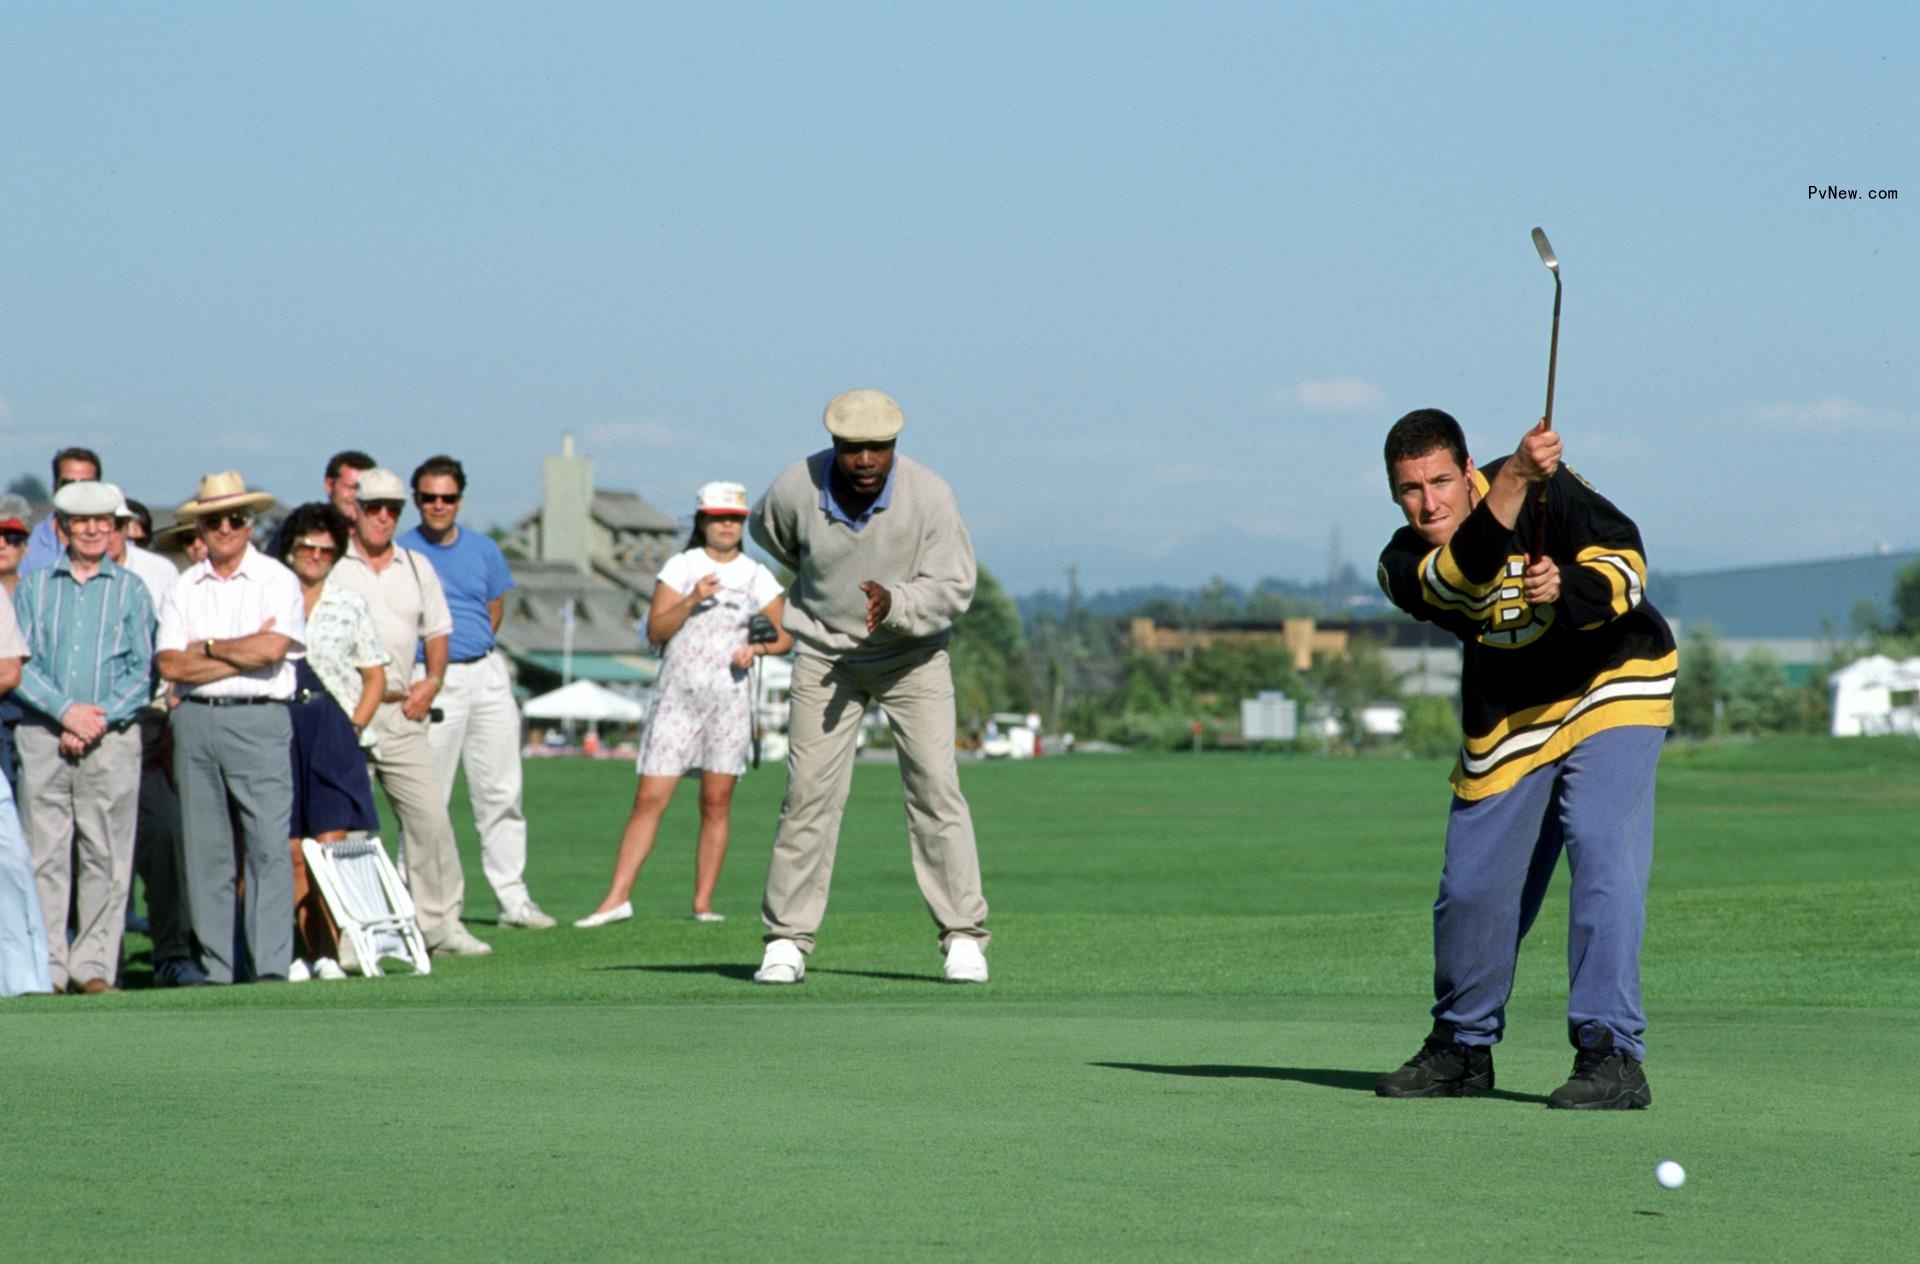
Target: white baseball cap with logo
x=722 y=500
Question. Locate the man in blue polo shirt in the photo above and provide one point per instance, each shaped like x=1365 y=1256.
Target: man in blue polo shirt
x=481 y=725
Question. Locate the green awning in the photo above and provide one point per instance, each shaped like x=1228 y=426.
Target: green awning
x=608 y=669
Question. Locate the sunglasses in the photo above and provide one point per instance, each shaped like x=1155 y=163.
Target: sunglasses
x=392 y=507
x=14 y=539
x=319 y=548
x=231 y=521
x=437 y=498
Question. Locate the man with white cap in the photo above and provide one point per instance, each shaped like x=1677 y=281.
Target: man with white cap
x=882 y=566
x=226 y=629
x=70 y=465
x=480 y=721
x=88 y=624
x=410 y=610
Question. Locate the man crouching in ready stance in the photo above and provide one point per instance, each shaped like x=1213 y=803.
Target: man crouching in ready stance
x=1565 y=695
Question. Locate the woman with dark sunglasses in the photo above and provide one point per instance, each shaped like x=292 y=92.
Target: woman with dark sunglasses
x=339 y=682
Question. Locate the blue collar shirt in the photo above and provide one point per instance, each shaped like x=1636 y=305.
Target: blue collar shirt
x=830 y=504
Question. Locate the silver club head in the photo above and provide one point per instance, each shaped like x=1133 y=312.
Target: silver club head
x=1541 y=244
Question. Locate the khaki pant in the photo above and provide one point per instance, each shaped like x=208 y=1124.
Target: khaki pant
x=829 y=699
x=429 y=857
x=482 y=728
x=78 y=815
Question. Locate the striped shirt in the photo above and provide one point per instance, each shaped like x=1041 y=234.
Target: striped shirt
x=1536 y=681
x=87 y=642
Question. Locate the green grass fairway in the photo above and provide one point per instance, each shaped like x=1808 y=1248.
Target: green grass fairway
x=1199 y=967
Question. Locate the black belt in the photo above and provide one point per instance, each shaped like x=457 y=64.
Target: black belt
x=462 y=662
x=236 y=702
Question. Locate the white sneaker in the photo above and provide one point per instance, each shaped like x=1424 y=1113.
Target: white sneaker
x=298 y=972
x=328 y=968
x=528 y=916
x=709 y=916
x=618 y=913
x=783 y=963
x=460 y=942
x=965 y=962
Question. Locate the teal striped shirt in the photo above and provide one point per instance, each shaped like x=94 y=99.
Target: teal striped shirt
x=90 y=643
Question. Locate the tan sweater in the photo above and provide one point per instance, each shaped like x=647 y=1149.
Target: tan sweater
x=917 y=547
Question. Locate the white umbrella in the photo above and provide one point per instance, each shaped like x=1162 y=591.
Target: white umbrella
x=585 y=700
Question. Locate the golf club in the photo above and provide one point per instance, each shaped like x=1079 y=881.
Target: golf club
x=1552 y=261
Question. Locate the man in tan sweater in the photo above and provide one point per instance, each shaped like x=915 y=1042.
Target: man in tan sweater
x=883 y=565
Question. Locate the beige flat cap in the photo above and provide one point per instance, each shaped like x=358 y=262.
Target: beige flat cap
x=864 y=416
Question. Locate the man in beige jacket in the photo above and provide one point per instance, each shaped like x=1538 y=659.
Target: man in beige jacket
x=883 y=565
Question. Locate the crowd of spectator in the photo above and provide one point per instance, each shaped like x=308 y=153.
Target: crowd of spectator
x=188 y=705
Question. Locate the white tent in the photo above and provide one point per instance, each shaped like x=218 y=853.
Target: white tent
x=1874 y=695
x=585 y=700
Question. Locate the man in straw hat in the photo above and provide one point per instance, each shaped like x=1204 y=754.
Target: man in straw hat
x=226 y=629
x=883 y=565
x=88 y=624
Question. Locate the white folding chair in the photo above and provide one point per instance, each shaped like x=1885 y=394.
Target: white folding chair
x=369 y=904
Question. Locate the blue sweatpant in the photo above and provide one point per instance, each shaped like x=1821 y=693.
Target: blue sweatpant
x=1597 y=804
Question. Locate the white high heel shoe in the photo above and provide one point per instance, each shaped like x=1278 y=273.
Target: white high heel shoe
x=618 y=913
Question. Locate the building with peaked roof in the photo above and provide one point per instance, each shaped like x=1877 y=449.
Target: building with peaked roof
x=614 y=533
x=583 y=578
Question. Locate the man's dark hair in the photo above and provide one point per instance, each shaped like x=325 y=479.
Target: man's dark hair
x=143 y=516
x=352 y=459
x=1422 y=431
x=315 y=515
x=441 y=466
x=77 y=454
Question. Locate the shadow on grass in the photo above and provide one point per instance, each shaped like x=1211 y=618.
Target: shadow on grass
x=743 y=972
x=1321 y=1077
x=735 y=970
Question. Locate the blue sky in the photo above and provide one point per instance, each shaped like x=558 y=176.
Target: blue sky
x=1150 y=281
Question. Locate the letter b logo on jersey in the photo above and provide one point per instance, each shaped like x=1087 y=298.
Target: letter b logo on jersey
x=1512 y=622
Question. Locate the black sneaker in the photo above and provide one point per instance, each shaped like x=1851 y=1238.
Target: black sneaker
x=1603 y=1079
x=1442 y=1068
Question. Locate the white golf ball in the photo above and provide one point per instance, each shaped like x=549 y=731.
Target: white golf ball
x=1670 y=1174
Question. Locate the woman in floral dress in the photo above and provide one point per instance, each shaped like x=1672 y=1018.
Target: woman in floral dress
x=339 y=681
x=702 y=712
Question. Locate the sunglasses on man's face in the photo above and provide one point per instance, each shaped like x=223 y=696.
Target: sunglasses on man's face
x=391 y=507
x=231 y=521
x=14 y=539
x=437 y=498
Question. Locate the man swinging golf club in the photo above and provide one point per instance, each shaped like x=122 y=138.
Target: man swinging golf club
x=1565 y=695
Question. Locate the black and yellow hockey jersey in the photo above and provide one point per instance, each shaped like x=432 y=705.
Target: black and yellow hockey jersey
x=1537 y=681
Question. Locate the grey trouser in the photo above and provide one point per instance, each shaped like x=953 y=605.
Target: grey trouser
x=829 y=699
x=1596 y=803
x=232 y=768
x=78 y=816
x=430 y=859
